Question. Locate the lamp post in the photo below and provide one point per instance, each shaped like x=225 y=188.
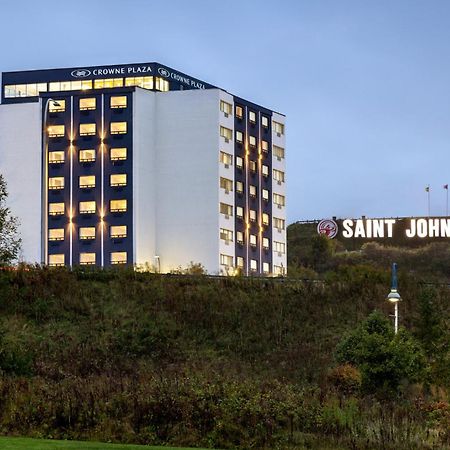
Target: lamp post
x=394 y=296
x=44 y=208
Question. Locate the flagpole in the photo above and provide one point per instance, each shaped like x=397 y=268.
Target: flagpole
x=446 y=209
x=428 y=192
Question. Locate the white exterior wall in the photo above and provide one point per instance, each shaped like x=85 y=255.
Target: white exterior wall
x=20 y=164
x=279 y=260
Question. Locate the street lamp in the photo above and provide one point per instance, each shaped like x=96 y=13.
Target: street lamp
x=45 y=181
x=394 y=296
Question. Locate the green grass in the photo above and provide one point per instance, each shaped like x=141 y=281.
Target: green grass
x=9 y=443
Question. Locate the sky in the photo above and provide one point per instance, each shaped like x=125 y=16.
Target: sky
x=364 y=84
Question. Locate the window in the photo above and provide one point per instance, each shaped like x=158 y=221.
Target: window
x=226 y=108
x=119 y=101
x=86 y=84
x=253 y=265
x=118 y=205
x=252 y=191
x=87 y=104
x=264 y=146
x=265 y=219
x=88 y=129
x=108 y=83
x=278 y=223
x=56 y=131
x=118 y=127
x=239 y=212
x=56 y=157
x=87 y=181
x=266 y=243
x=56 y=183
x=239 y=137
x=87 y=155
x=226 y=235
x=253 y=240
x=265 y=170
x=240 y=262
x=226 y=260
x=252 y=166
x=56 y=234
x=239 y=237
x=279 y=247
x=118 y=179
x=266 y=267
x=265 y=121
x=278 y=270
x=226 y=184
x=226 y=158
x=161 y=84
x=118 y=231
x=118 y=257
x=87 y=258
x=136 y=81
x=252 y=215
x=118 y=154
x=239 y=162
x=278 y=176
x=57 y=106
x=226 y=133
x=278 y=128
x=54 y=86
x=252 y=116
x=226 y=209
x=239 y=187
x=87 y=207
x=252 y=141
x=278 y=152
x=56 y=260
x=56 y=209
x=265 y=195
x=86 y=233
x=279 y=200
x=239 y=112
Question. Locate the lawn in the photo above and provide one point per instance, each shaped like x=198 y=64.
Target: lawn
x=10 y=443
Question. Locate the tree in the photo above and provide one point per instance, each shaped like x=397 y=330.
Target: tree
x=384 y=359
x=9 y=240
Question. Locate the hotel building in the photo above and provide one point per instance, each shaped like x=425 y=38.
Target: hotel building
x=140 y=164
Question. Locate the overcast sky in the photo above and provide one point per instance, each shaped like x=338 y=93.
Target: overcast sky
x=364 y=84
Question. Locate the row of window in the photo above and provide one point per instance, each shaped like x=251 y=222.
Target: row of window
x=227 y=160
x=227 y=109
x=87 y=207
x=227 y=184
x=227 y=261
x=88 y=155
x=88 y=233
x=227 y=236
x=227 y=134
x=227 y=210
x=88 y=181
x=87 y=129
x=87 y=258
x=88 y=104
x=34 y=89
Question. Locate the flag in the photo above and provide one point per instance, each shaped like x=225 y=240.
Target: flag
x=446 y=186
x=427 y=189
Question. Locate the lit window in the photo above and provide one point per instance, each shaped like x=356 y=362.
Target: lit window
x=87 y=207
x=56 y=260
x=239 y=112
x=87 y=181
x=118 y=179
x=118 y=205
x=226 y=133
x=239 y=136
x=56 y=234
x=57 y=106
x=87 y=104
x=118 y=257
x=252 y=191
x=32 y=90
x=108 y=83
x=56 y=157
x=226 y=209
x=278 y=270
x=278 y=223
x=54 y=86
x=265 y=219
x=66 y=85
x=252 y=165
x=239 y=212
x=278 y=176
x=266 y=267
x=239 y=237
x=10 y=91
x=252 y=141
x=278 y=152
x=86 y=84
x=118 y=154
x=21 y=90
x=265 y=195
x=266 y=243
x=87 y=155
x=56 y=130
x=265 y=121
x=118 y=231
x=226 y=158
x=56 y=209
x=118 y=127
x=279 y=200
x=135 y=81
x=87 y=129
x=279 y=247
x=226 y=108
x=252 y=215
x=253 y=240
x=75 y=85
x=239 y=162
x=226 y=260
x=87 y=258
x=253 y=265
x=252 y=116
x=278 y=128
x=86 y=233
x=265 y=170
x=56 y=183
x=239 y=187
x=240 y=262
x=119 y=102
x=226 y=184
x=226 y=235
x=264 y=146
x=161 y=84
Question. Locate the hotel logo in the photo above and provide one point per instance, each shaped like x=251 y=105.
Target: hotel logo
x=328 y=227
x=80 y=73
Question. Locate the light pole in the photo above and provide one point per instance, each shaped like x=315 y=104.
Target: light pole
x=394 y=296
x=44 y=195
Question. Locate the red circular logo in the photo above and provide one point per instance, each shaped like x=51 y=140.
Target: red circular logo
x=328 y=227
